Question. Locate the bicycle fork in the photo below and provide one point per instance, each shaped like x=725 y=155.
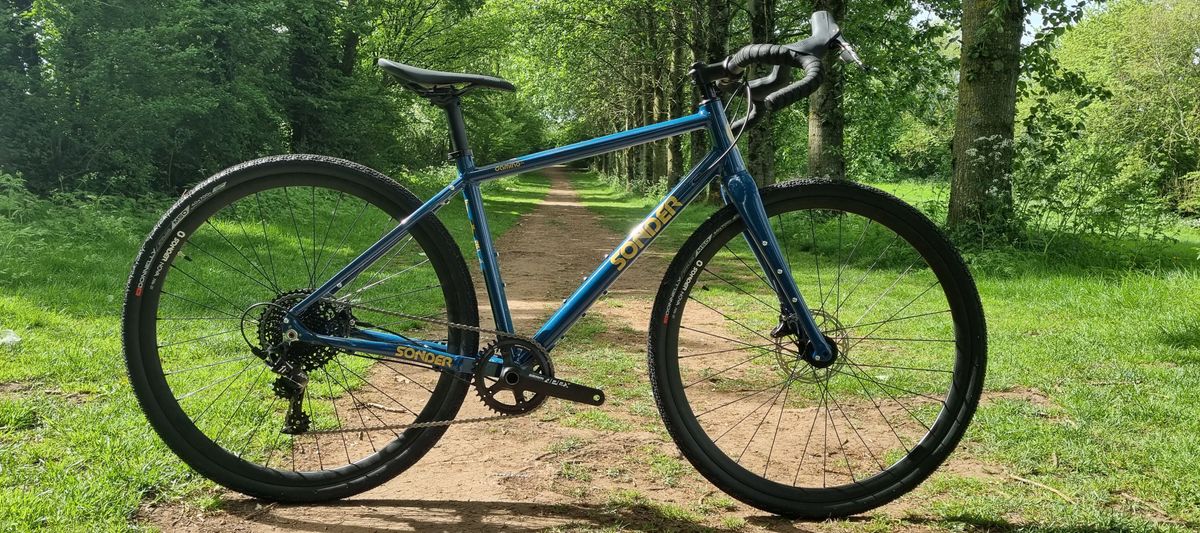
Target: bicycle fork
x=738 y=189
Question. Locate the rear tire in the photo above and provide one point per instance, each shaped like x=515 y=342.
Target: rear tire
x=193 y=290
x=714 y=309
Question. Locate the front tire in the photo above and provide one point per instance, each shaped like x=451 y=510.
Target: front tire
x=887 y=289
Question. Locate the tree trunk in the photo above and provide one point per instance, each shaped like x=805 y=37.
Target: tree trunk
x=760 y=138
x=981 y=191
x=632 y=155
x=826 y=120
x=657 y=169
x=718 y=47
x=350 y=39
x=698 y=14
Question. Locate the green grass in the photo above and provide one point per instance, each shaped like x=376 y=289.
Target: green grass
x=75 y=451
x=1109 y=332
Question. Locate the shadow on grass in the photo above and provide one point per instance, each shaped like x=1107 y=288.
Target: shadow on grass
x=1184 y=335
x=356 y=516
x=361 y=516
x=977 y=523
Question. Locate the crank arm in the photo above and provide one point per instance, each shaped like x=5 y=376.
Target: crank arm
x=562 y=389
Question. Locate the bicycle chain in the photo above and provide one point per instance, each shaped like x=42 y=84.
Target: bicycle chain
x=465 y=327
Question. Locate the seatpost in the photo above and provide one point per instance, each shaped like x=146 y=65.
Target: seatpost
x=460 y=149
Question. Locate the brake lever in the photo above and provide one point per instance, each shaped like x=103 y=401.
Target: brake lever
x=849 y=55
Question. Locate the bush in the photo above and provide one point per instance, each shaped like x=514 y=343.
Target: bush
x=1188 y=189
x=1088 y=186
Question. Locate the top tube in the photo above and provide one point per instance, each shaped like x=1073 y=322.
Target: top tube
x=584 y=149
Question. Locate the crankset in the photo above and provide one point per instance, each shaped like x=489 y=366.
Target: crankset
x=525 y=374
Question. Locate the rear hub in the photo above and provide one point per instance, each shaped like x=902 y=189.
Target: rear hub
x=323 y=318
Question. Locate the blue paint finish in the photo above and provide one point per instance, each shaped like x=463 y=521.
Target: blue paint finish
x=603 y=277
x=377 y=250
x=738 y=189
x=386 y=345
x=489 y=261
x=597 y=146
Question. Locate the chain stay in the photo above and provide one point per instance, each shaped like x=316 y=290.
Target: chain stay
x=464 y=327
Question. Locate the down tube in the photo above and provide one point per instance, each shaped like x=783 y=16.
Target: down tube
x=615 y=263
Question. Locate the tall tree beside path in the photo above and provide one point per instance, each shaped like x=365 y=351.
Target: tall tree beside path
x=826 y=119
x=981 y=197
x=761 y=136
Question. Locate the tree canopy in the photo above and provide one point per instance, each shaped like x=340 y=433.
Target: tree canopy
x=128 y=97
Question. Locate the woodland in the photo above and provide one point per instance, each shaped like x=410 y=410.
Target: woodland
x=1056 y=141
x=1041 y=117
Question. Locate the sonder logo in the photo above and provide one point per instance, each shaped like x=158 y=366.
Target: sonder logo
x=645 y=233
x=422 y=356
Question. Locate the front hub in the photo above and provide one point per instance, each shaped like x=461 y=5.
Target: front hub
x=835 y=335
x=810 y=349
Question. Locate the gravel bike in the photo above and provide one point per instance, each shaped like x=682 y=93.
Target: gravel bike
x=301 y=328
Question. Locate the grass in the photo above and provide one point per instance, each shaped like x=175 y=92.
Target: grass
x=75 y=451
x=1108 y=333
x=1105 y=335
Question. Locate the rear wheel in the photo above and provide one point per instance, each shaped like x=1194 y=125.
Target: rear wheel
x=751 y=410
x=213 y=281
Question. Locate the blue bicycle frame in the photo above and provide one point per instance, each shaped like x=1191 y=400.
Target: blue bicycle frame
x=738 y=189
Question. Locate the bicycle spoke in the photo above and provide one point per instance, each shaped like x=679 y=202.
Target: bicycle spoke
x=863 y=278
x=863 y=419
x=266 y=239
x=778 y=424
x=731 y=319
x=192 y=244
x=209 y=365
x=325 y=234
x=741 y=290
x=763 y=419
x=752 y=394
x=756 y=271
x=714 y=352
x=909 y=317
x=349 y=230
x=200 y=338
x=257 y=264
x=742 y=343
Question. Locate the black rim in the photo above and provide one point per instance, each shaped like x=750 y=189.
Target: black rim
x=266 y=240
x=765 y=414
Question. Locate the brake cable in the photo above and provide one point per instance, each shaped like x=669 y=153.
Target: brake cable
x=742 y=129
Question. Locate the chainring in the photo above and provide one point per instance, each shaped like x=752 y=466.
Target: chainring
x=515 y=353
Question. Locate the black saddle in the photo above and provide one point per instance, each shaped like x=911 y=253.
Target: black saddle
x=423 y=81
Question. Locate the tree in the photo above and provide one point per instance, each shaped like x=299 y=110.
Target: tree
x=826 y=120
x=761 y=137
x=981 y=199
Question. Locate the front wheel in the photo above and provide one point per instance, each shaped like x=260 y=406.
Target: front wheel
x=750 y=409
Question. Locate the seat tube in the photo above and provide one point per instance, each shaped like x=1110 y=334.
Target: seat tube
x=740 y=190
x=489 y=259
x=485 y=249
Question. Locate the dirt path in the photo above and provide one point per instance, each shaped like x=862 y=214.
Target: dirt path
x=481 y=476
x=544 y=471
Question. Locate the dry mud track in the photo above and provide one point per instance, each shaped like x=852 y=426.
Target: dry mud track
x=517 y=474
